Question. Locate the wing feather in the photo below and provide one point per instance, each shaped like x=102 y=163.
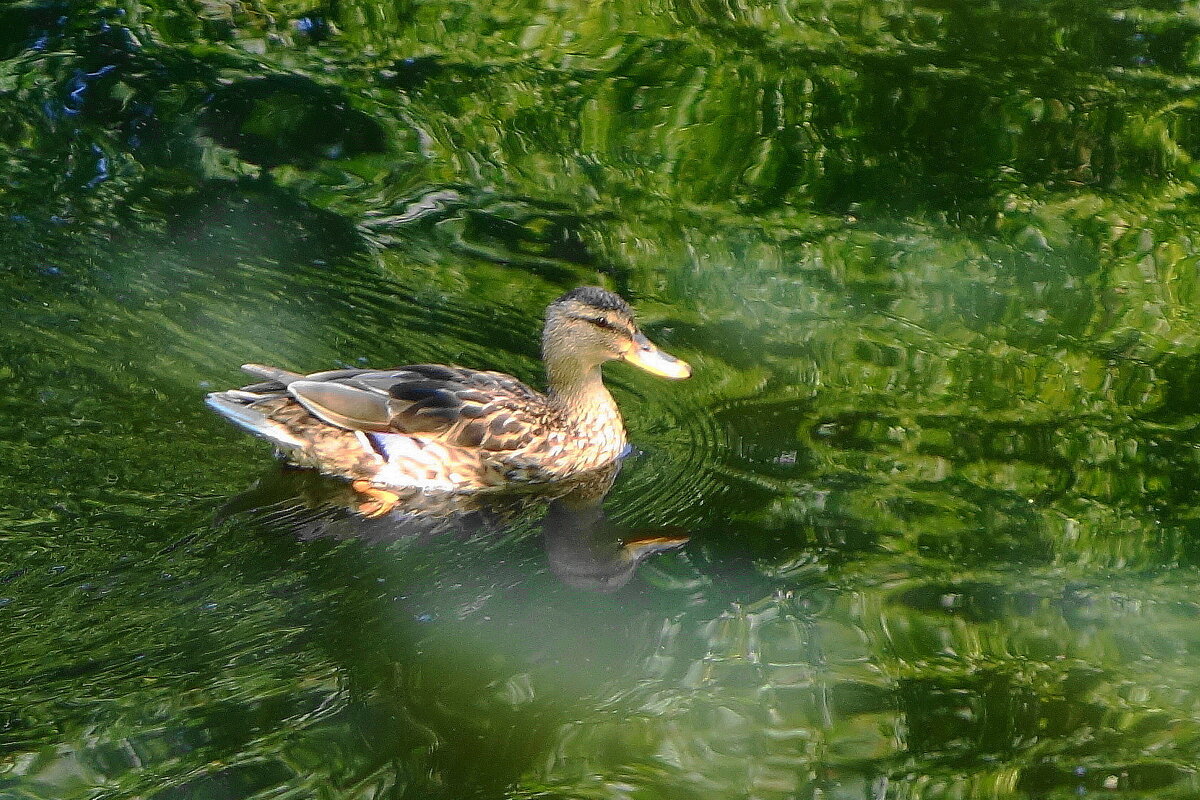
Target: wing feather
x=343 y=405
x=481 y=410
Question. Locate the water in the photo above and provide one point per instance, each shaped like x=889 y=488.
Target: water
x=926 y=508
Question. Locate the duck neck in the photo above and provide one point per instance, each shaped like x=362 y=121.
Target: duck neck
x=578 y=391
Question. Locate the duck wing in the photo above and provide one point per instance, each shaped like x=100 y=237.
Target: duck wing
x=457 y=406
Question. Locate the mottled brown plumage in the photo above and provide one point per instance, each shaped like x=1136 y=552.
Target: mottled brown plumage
x=455 y=429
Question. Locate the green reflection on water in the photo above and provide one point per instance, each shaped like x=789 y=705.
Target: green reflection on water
x=934 y=265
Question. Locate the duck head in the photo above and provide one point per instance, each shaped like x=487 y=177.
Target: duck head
x=589 y=326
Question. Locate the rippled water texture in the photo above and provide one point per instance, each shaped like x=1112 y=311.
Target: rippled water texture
x=920 y=526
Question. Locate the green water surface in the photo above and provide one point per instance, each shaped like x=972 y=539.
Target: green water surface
x=935 y=265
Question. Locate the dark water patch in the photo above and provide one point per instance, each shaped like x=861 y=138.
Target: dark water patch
x=31 y=26
x=1090 y=777
x=288 y=119
x=225 y=219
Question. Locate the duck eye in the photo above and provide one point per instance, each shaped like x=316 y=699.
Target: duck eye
x=603 y=323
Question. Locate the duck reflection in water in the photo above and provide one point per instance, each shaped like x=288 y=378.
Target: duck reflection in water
x=584 y=549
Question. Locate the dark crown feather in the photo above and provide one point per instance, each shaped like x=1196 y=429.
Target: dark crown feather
x=597 y=298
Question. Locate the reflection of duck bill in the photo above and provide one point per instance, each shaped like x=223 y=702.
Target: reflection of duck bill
x=585 y=554
x=636 y=550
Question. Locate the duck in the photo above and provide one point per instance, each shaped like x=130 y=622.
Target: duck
x=446 y=428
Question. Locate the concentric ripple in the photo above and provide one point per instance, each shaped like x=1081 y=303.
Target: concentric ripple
x=682 y=445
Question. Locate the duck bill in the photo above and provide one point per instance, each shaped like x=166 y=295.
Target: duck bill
x=646 y=355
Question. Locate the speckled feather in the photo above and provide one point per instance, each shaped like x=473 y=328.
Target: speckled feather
x=433 y=425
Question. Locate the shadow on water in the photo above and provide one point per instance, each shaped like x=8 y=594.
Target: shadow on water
x=584 y=550
x=457 y=656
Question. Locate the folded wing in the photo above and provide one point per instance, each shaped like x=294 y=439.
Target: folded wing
x=456 y=406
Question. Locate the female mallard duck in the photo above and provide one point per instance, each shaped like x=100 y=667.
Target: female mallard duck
x=454 y=429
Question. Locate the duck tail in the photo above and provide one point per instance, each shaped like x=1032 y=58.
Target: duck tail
x=238 y=407
x=271 y=373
